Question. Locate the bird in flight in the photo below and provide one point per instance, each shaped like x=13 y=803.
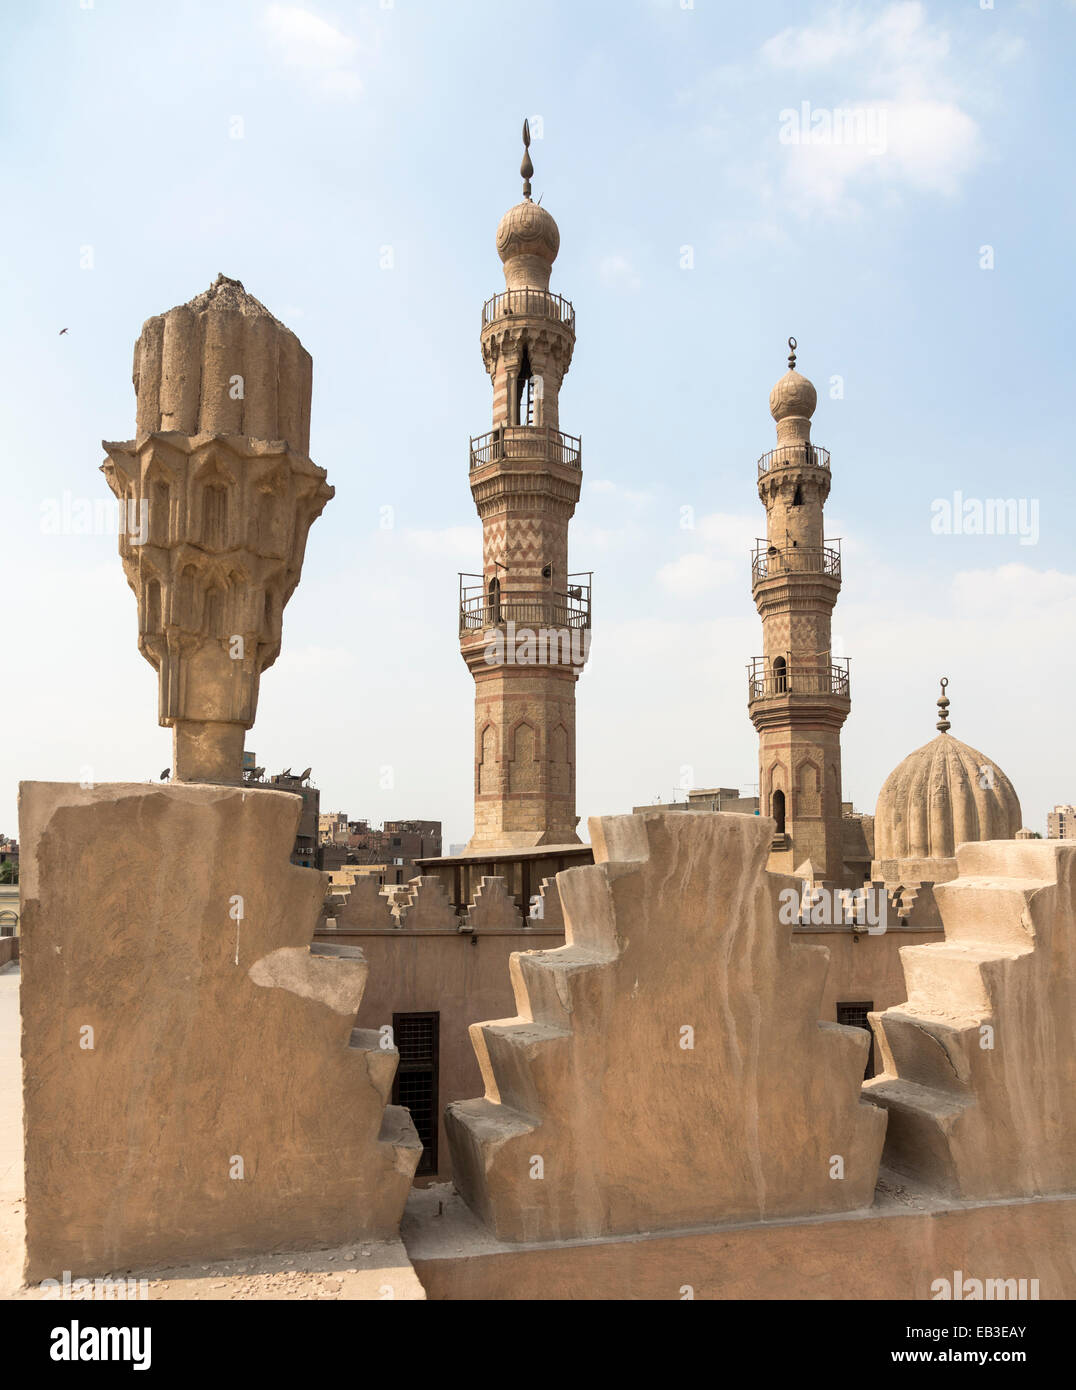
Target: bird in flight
x=62 y=332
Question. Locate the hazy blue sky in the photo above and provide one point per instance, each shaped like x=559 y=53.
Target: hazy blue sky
x=661 y=129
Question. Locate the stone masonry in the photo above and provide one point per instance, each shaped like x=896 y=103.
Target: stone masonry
x=219 y=494
x=667 y=1067
x=798 y=694
x=525 y=621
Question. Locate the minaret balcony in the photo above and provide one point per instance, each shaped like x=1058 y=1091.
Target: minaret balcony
x=526 y=442
x=529 y=303
x=780 y=677
x=774 y=562
x=483 y=605
x=799 y=455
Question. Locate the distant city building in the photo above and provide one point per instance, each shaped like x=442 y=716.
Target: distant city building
x=391 y=852
x=331 y=856
x=305 y=850
x=9 y=860
x=709 y=799
x=1061 y=823
x=333 y=828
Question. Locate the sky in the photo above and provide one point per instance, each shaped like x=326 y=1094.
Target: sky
x=350 y=163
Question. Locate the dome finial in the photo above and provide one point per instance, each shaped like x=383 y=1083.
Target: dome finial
x=792 y=354
x=526 y=168
x=943 y=707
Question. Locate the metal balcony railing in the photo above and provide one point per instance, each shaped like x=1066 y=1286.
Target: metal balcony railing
x=794 y=456
x=537 y=303
x=483 y=606
x=768 y=679
x=526 y=442
x=769 y=562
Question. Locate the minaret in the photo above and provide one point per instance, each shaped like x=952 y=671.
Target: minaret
x=525 y=621
x=798 y=695
x=220 y=474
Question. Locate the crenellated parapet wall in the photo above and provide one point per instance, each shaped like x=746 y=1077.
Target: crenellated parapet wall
x=667 y=1066
x=195 y=1084
x=980 y=1062
x=423 y=904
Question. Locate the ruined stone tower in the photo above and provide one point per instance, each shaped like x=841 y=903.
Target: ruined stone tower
x=525 y=621
x=798 y=694
x=220 y=475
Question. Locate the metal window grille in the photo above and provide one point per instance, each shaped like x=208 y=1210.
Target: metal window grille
x=855 y=1016
x=417 y=1038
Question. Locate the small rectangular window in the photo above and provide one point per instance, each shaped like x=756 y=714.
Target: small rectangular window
x=855 y=1016
x=417 y=1038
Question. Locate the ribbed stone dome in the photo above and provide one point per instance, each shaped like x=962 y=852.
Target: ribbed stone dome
x=793 y=395
x=943 y=795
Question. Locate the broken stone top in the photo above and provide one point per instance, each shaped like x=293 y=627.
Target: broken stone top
x=223 y=364
x=229 y=296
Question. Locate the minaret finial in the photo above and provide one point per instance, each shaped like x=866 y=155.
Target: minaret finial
x=526 y=168
x=792 y=354
x=943 y=707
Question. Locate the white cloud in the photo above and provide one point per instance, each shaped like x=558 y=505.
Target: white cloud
x=730 y=531
x=922 y=146
x=897 y=41
x=587 y=539
x=617 y=271
x=729 y=540
x=463 y=542
x=1015 y=590
x=606 y=487
x=325 y=54
x=872 y=104
x=695 y=573
x=314 y=660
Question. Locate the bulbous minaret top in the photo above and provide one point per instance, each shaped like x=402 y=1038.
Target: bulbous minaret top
x=528 y=238
x=792 y=402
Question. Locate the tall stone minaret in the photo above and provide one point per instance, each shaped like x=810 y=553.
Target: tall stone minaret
x=525 y=621
x=798 y=695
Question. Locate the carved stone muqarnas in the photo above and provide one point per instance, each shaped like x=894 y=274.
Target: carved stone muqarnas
x=217 y=495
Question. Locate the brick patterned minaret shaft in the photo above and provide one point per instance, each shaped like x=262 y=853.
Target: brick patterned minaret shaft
x=525 y=479
x=798 y=695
